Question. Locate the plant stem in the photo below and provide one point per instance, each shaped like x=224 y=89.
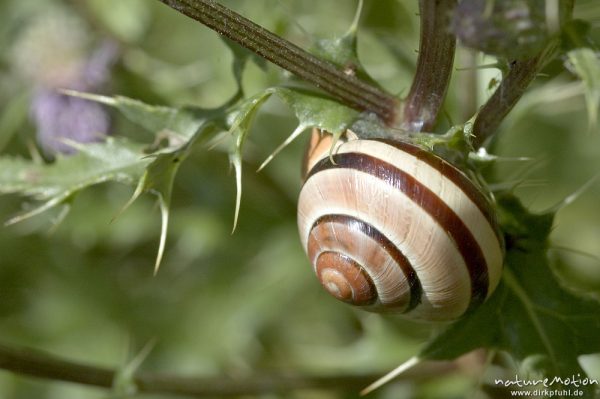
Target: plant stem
x=323 y=74
x=434 y=66
x=511 y=89
x=38 y=364
x=514 y=84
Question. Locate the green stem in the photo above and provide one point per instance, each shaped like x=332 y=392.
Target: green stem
x=434 y=66
x=325 y=75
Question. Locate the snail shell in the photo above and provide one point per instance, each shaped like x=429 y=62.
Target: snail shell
x=391 y=227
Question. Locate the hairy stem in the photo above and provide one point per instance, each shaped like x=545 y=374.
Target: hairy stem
x=42 y=365
x=325 y=75
x=434 y=66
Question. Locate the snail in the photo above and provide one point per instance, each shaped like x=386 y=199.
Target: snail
x=391 y=227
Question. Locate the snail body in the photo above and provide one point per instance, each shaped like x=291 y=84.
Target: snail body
x=391 y=227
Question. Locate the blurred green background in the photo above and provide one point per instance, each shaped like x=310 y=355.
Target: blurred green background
x=232 y=304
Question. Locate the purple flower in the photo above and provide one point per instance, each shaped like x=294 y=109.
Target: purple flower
x=52 y=52
x=60 y=118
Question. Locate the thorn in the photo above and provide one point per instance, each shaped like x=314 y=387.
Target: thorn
x=36 y=211
x=164 y=210
x=391 y=375
x=124 y=384
x=59 y=219
x=89 y=96
x=299 y=130
x=137 y=361
x=573 y=196
x=354 y=26
x=576 y=252
x=138 y=191
x=238 y=195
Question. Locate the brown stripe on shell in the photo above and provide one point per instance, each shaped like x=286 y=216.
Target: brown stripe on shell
x=453 y=174
x=393 y=251
x=448 y=220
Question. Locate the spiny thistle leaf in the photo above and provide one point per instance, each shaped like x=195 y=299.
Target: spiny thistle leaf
x=530 y=314
x=342 y=50
x=240 y=127
x=313 y=111
x=183 y=121
x=113 y=160
x=183 y=127
x=241 y=56
x=120 y=160
x=158 y=179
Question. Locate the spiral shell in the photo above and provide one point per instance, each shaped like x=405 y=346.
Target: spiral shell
x=391 y=227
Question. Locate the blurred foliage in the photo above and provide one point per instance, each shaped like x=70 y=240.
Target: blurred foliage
x=235 y=303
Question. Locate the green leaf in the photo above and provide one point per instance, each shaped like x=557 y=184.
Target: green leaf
x=313 y=110
x=240 y=128
x=158 y=179
x=180 y=122
x=587 y=67
x=116 y=159
x=155 y=173
x=342 y=51
x=241 y=56
x=53 y=184
x=183 y=127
